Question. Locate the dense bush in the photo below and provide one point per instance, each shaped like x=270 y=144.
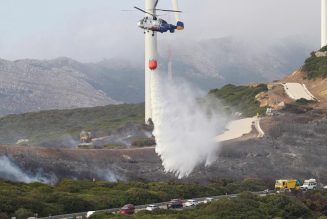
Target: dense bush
x=316 y=200
x=303 y=101
x=79 y=196
x=241 y=98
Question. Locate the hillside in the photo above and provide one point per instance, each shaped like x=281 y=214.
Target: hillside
x=56 y=128
x=241 y=98
x=309 y=81
x=33 y=85
x=62 y=127
x=316 y=65
x=313 y=74
x=285 y=151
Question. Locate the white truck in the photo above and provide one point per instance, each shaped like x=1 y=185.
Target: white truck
x=309 y=184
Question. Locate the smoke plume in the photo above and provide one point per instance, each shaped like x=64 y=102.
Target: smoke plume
x=10 y=171
x=185 y=127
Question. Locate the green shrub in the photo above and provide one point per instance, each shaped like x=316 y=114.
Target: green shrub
x=303 y=101
x=23 y=213
x=241 y=98
x=315 y=67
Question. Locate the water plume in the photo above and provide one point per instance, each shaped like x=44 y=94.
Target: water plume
x=185 y=126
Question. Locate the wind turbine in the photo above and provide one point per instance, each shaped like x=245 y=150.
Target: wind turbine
x=323 y=23
x=151 y=46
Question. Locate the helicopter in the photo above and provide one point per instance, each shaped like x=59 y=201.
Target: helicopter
x=155 y=24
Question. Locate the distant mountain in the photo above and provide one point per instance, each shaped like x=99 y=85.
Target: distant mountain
x=33 y=85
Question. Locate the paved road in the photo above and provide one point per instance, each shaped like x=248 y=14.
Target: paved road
x=259 y=129
x=297 y=91
x=237 y=128
x=162 y=205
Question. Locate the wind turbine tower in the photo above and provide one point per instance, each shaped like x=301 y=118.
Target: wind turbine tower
x=150 y=55
x=323 y=23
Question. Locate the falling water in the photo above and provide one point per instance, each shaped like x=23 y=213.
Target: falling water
x=184 y=126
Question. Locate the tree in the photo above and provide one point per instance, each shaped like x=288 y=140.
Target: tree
x=23 y=213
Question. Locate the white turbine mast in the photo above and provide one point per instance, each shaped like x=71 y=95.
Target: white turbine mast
x=151 y=51
x=323 y=23
x=150 y=54
x=175 y=7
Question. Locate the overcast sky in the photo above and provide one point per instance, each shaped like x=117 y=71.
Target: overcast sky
x=92 y=30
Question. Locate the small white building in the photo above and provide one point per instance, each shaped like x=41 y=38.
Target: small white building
x=321 y=54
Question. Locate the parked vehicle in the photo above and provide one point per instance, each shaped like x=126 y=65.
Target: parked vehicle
x=287 y=184
x=127 y=209
x=190 y=203
x=151 y=207
x=309 y=184
x=207 y=200
x=89 y=214
x=175 y=203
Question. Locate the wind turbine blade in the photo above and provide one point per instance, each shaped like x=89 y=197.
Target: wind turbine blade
x=156 y=4
x=175 y=7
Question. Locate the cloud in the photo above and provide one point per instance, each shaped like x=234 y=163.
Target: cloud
x=91 y=31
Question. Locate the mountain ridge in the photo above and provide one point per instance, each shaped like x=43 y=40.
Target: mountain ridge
x=28 y=85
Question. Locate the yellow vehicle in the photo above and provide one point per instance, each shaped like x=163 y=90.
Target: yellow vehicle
x=287 y=184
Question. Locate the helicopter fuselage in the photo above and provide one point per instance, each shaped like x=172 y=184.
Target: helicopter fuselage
x=158 y=25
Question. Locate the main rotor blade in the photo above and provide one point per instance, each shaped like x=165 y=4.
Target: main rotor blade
x=168 y=10
x=156 y=4
x=137 y=8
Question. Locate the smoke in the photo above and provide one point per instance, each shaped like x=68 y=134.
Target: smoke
x=185 y=127
x=109 y=175
x=123 y=136
x=10 y=171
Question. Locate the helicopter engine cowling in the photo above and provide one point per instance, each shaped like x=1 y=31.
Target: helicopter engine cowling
x=180 y=25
